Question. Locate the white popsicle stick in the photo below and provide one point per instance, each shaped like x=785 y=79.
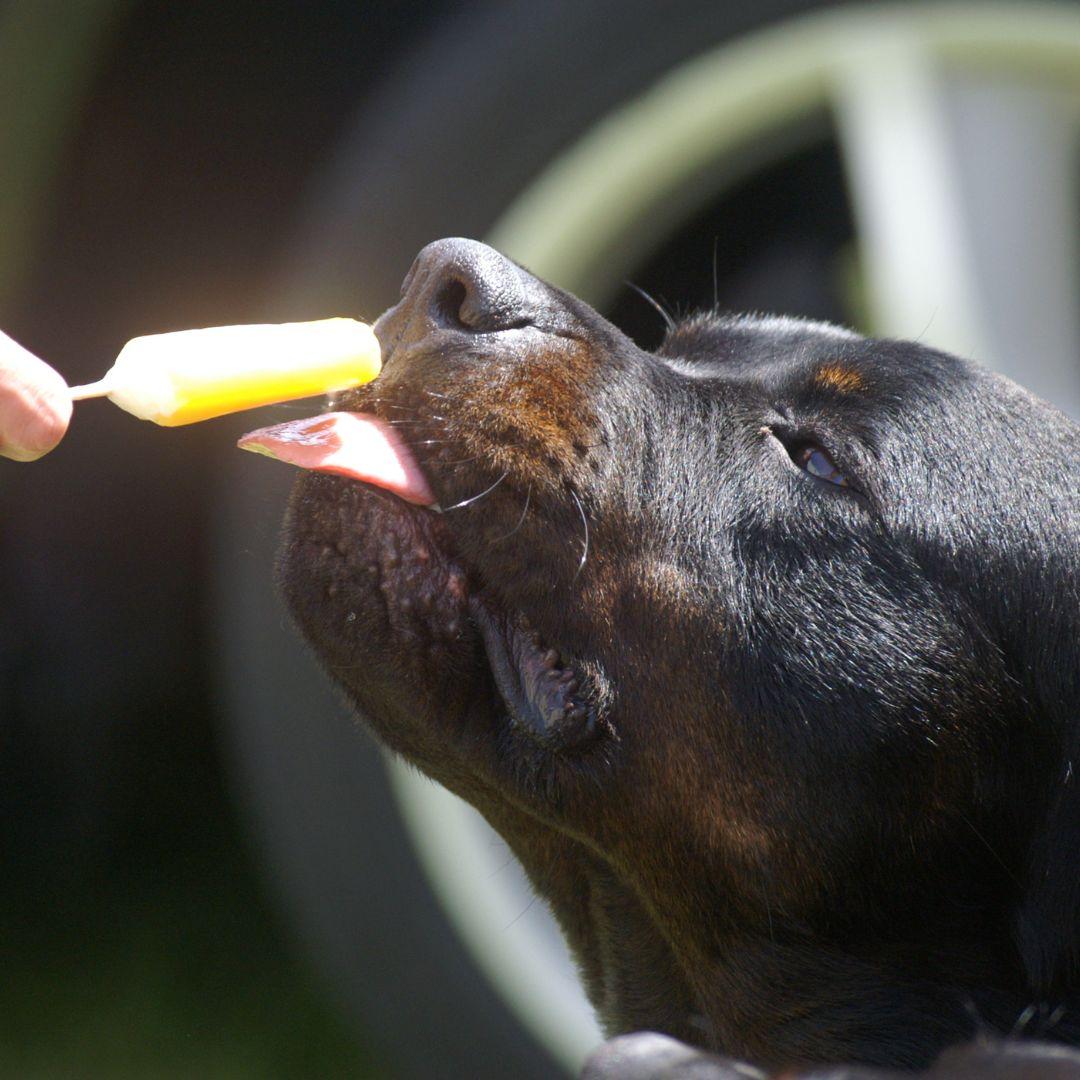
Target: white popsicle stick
x=91 y=390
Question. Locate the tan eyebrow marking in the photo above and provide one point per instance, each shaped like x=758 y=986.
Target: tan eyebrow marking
x=846 y=380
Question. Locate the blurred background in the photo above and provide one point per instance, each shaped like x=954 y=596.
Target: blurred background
x=208 y=868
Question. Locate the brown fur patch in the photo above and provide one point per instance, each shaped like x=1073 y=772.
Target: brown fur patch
x=838 y=377
x=530 y=422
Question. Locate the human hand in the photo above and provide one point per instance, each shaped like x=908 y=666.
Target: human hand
x=34 y=404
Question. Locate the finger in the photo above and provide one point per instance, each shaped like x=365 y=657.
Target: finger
x=35 y=407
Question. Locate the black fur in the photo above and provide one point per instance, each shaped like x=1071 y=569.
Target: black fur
x=812 y=797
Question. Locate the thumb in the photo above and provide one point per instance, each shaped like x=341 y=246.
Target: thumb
x=34 y=404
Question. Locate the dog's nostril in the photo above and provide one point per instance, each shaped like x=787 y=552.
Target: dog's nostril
x=449 y=306
x=467 y=305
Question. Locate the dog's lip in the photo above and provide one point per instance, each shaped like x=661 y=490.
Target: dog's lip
x=357 y=445
x=543 y=693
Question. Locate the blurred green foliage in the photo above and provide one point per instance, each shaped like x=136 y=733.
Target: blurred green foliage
x=173 y=970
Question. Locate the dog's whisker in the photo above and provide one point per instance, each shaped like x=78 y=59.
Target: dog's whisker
x=585 y=542
x=520 y=521
x=477 y=498
x=989 y=847
x=715 y=275
x=293 y=406
x=412 y=444
x=768 y=906
x=528 y=907
x=669 y=321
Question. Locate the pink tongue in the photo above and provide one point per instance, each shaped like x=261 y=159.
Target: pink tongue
x=351 y=444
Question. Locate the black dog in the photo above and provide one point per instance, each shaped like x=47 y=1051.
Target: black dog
x=760 y=651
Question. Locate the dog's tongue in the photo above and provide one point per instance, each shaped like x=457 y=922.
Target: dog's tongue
x=350 y=444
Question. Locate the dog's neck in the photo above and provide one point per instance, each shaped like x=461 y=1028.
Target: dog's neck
x=629 y=971
x=643 y=970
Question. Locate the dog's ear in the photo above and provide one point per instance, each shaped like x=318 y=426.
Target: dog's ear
x=1048 y=927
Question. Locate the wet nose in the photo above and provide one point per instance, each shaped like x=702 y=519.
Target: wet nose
x=465 y=286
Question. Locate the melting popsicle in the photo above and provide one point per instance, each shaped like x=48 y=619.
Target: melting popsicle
x=192 y=375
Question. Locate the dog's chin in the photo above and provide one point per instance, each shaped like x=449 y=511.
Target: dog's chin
x=374 y=583
x=378 y=589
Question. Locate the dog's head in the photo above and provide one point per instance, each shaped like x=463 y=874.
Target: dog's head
x=758 y=648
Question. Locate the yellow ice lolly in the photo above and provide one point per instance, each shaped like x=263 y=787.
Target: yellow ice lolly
x=192 y=375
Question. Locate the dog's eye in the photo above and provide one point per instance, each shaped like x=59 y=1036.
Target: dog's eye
x=808 y=455
x=817 y=463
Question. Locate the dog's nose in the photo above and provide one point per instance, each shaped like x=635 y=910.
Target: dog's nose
x=466 y=286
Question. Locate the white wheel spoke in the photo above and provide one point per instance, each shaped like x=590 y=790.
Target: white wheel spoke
x=1018 y=154
x=907 y=194
x=965 y=195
